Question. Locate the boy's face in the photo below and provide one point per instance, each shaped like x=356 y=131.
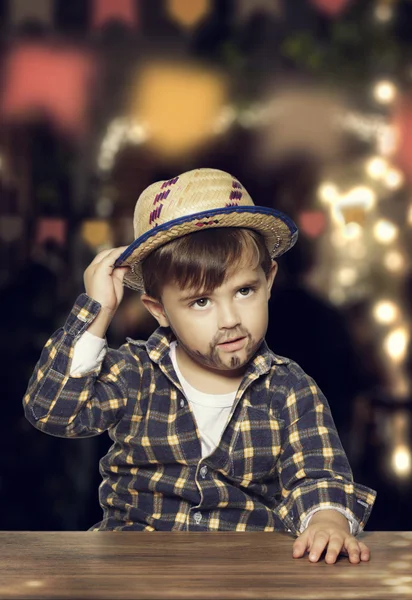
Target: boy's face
x=221 y=330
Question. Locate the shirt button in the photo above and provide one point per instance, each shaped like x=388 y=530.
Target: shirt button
x=182 y=403
x=198 y=517
x=203 y=471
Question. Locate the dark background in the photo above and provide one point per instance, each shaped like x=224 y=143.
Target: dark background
x=298 y=108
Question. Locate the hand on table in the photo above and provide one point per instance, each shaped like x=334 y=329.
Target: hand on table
x=329 y=530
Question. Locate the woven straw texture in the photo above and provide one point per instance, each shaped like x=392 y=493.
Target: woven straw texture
x=170 y=209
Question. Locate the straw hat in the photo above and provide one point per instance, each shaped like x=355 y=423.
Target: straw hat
x=197 y=200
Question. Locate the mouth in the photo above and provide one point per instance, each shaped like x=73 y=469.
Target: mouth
x=236 y=339
x=233 y=344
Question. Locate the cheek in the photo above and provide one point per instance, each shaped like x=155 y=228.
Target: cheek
x=190 y=331
x=257 y=316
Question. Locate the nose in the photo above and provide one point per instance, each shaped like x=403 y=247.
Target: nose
x=228 y=317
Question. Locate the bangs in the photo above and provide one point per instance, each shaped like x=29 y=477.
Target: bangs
x=201 y=261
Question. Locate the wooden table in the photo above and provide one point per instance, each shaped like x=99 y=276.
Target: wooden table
x=161 y=565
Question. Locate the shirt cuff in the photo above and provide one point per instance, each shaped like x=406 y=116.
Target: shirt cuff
x=353 y=524
x=89 y=352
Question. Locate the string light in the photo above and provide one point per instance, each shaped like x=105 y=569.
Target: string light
x=360 y=196
x=366 y=127
x=225 y=119
x=119 y=132
x=369 y=128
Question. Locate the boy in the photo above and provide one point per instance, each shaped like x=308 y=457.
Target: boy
x=211 y=430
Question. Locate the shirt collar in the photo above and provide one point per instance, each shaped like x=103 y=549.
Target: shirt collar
x=158 y=349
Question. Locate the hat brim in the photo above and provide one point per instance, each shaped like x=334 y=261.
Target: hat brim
x=279 y=231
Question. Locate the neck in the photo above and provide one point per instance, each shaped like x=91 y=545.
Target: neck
x=205 y=379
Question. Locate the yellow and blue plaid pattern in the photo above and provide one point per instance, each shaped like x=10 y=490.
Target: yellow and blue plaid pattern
x=279 y=457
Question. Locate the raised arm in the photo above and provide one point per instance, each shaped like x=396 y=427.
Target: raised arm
x=69 y=405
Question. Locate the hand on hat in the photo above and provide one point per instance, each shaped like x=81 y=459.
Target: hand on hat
x=104 y=284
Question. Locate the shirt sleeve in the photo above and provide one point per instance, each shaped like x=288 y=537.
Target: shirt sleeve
x=314 y=471
x=88 y=353
x=81 y=406
x=353 y=525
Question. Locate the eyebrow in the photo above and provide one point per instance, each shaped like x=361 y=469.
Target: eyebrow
x=204 y=294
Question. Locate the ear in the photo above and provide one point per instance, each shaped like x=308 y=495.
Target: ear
x=155 y=308
x=271 y=276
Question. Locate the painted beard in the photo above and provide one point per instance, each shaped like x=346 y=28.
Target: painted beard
x=213 y=358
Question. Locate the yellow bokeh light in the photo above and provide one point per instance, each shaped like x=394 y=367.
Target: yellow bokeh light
x=385 y=231
x=385 y=92
x=384 y=13
x=188 y=12
x=394 y=261
x=179 y=104
x=401 y=460
x=387 y=141
x=96 y=233
x=394 y=179
x=352 y=231
x=347 y=276
x=376 y=167
x=360 y=196
x=385 y=311
x=396 y=344
x=328 y=192
x=353 y=206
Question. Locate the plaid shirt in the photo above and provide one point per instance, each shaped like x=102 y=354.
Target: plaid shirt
x=279 y=457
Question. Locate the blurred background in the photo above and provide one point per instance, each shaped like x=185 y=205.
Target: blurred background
x=309 y=104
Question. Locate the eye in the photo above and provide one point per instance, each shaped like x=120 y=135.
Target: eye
x=200 y=303
x=246 y=291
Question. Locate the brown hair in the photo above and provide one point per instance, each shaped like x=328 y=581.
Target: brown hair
x=202 y=260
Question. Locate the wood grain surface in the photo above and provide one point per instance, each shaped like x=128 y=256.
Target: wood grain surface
x=228 y=565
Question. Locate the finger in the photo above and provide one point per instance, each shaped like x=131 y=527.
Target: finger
x=119 y=273
x=100 y=256
x=352 y=548
x=365 y=552
x=335 y=546
x=320 y=541
x=300 y=546
x=110 y=258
